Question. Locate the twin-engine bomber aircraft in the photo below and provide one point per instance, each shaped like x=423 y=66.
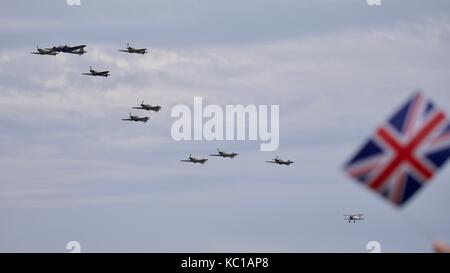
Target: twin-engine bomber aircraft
x=41 y=51
x=134 y=50
x=353 y=217
x=224 y=154
x=79 y=50
x=148 y=107
x=280 y=162
x=195 y=160
x=136 y=118
x=92 y=72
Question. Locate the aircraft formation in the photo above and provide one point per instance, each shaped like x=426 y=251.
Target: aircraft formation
x=224 y=154
x=80 y=50
x=142 y=106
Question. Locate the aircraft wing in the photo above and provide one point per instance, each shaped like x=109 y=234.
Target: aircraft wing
x=215 y=155
x=272 y=162
x=186 y=160
x=89 y=74
x=123 y=50
x=138 y=108
x=127 y=119
x=73 y=48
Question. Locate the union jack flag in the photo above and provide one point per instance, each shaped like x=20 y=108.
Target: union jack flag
x=405 y=152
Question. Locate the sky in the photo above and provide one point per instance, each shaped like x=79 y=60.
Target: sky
x=71 y=170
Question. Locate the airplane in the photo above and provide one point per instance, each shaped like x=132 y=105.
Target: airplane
x=134 y=50
x=195 y=160
x=92 y=72
x=353 y=217
x=69 y=49
x=148 y=107
x=136 y=118
x=224 y=154
x=280 y=162
x=41 y=51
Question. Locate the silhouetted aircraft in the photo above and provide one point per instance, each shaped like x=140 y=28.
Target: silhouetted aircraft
x=148 y=107
x=280 y=162
x=224 y=154
x=195 y=160
x=134 y=50
x=92 y=72
x=136 y=118
x=353 y=217
x=41 y=51
x=79 y=50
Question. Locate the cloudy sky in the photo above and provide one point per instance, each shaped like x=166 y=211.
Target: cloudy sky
x=71 y=170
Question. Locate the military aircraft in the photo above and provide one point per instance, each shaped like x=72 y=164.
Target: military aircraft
x=195 y=160
x=92 y=72
x=276 y=160
x=148 y=107
x=41 y=51
x=136 y=118
x=134 y=50
x=69 y=49
x=224 y=154
x=353 y=217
